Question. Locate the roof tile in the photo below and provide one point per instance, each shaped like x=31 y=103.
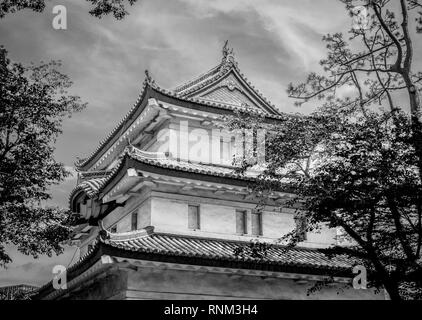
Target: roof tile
x=189 y=246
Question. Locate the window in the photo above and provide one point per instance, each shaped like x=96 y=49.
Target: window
x=113 y=229
x=193 y=217
x=301 y=226
x=257 y=223
x=134 y=220
x=227 y=148
x=89 y=247
x=241 y=222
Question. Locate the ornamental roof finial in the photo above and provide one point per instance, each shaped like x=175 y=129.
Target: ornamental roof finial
x=226 y=50
x=148 y=76
x=228 y=58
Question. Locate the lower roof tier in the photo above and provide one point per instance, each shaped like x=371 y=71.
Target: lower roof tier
x=147 y=245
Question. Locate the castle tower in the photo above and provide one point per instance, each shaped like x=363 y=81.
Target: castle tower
x=164 y=215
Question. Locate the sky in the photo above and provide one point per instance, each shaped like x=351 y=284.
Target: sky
x=275 y=43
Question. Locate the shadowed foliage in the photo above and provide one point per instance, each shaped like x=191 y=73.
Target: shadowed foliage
x=33 y=104
x=355 y=163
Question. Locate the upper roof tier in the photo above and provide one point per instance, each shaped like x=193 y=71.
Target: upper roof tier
x=225 y=83
x=221 y=90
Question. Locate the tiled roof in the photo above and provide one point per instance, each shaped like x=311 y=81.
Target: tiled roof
x=10 y=292
x=209 y=169
x=219 y=249
x=86 y=175
x=205 y=77
x=92 y=187
x=146 y=245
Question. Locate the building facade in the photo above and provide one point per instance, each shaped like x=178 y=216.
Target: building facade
x=165 y=216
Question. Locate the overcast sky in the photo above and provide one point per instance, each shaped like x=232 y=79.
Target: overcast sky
x=275 y=42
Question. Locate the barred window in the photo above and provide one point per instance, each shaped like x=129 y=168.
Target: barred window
x=256 y=223
x=134 y=220
x=193 y=217
x=241 y=222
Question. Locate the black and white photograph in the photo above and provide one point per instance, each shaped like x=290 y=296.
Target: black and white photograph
x=228 y=151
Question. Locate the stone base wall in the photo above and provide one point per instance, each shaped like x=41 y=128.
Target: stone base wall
x=141 y=282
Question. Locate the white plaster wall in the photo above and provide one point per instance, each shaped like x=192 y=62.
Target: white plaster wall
x=323 y=237
x=189 y=140
x=277 y=224
x=144 y=214
x=215 y=218
x=125 y=224
x=121 y=216
x=171 y=214
x=144 y=217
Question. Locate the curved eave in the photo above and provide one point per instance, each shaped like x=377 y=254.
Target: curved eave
x=75 y=270
x=92 y=187
x=176 y=171
x=154 y=167
x=109 y=248
x=123 y=125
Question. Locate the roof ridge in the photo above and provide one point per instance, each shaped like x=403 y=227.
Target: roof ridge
x=197 y=79
x=149 y=232
x=198 y=237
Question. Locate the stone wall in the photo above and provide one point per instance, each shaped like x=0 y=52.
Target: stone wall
x=162 y=283
x=165 y=282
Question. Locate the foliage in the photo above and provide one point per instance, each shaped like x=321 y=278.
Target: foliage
x=33 y=103
x=353 y=165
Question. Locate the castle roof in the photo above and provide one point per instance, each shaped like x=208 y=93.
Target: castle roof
x=147 y=245
x=222 y=90
x=134 y=158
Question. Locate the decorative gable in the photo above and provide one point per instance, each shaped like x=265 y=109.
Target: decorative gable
x=230 y=90
x=226 y=84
